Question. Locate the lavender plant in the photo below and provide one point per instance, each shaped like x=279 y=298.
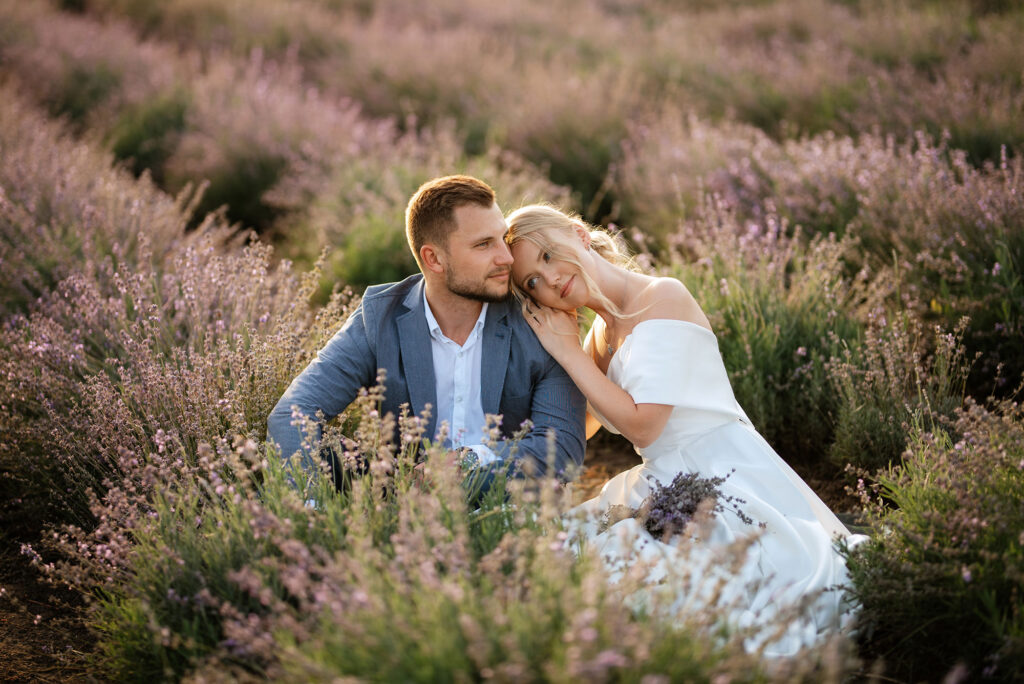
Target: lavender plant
x=800 y=67
x=940 y=582
x=804 y=65
x=780 y=309
x=895 y=381
x=66 y=211
x=215 y=567
x=132 y=345
x=940 y=234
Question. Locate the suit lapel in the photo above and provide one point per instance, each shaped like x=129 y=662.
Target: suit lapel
x=417 y=357
x=497 y=342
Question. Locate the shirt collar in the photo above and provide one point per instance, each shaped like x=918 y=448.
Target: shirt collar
x=435 y=328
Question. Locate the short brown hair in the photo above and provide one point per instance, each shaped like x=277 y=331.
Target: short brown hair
x=430 y=215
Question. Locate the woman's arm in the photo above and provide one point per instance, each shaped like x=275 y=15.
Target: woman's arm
x=641 y=424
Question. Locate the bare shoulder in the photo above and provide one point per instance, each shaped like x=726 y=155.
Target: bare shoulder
x=669 y=298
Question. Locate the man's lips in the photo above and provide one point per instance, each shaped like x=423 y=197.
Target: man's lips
x=568 y=286
x=501 y=274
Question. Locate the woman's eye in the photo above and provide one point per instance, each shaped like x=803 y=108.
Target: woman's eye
x=531 y=283
x=547 y=256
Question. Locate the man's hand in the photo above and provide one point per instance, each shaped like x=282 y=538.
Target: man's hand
x=455 y=458
x=419 y=476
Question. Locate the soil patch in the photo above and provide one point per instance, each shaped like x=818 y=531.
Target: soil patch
x=42 y=637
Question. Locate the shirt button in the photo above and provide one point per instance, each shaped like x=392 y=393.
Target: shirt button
x=458 y=400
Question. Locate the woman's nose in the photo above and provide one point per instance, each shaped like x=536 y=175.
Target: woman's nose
x=549 y=276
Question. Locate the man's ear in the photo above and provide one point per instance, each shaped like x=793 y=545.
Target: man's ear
x=432 y=258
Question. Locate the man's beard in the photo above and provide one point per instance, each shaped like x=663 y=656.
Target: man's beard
x=476 y=291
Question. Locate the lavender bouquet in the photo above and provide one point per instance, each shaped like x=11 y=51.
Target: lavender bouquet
x=669 y=508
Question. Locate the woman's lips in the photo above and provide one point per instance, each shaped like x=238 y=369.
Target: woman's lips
x=568 y=286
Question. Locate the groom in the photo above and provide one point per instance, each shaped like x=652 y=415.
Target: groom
x=451 y=339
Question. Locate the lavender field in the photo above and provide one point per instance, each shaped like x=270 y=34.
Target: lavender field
x=194 y=193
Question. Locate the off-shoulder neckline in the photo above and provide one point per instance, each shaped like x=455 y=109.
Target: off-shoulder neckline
x=657 y=320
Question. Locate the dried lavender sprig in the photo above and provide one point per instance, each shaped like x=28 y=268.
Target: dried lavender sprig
x=669 y=508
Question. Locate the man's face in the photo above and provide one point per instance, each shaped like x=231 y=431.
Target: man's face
x=477 y=260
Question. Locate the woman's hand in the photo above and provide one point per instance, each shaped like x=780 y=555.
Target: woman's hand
x=557 y=330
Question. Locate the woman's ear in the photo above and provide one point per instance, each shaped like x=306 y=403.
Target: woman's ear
x=432 y=258
x=582 y=233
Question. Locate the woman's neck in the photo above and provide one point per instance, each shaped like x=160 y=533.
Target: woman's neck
x=614 y=283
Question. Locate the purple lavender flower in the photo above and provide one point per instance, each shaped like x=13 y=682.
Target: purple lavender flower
x=668 y=509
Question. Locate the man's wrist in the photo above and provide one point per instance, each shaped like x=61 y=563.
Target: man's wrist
x=468 y=458
x=484 y=454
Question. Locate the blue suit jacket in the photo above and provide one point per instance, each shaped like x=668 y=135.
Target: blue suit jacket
x=389 y=330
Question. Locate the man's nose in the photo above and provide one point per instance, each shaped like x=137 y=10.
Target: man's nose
x=504 y=257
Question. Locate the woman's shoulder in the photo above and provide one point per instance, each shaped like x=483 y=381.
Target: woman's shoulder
x=669 y=299
x=661 y=288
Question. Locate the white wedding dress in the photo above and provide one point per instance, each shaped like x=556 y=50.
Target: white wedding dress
x=792 y=557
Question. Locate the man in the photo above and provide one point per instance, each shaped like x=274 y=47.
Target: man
x=450 y=339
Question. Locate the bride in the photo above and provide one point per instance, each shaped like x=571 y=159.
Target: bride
x=651 y=370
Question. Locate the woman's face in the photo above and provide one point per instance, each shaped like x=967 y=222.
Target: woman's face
x=547 y=279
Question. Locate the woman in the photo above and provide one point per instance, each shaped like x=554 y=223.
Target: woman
x=651 y=370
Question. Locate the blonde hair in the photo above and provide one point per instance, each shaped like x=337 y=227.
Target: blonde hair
x=541 y=223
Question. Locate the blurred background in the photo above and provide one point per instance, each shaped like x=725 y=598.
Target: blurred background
x=312 y=121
